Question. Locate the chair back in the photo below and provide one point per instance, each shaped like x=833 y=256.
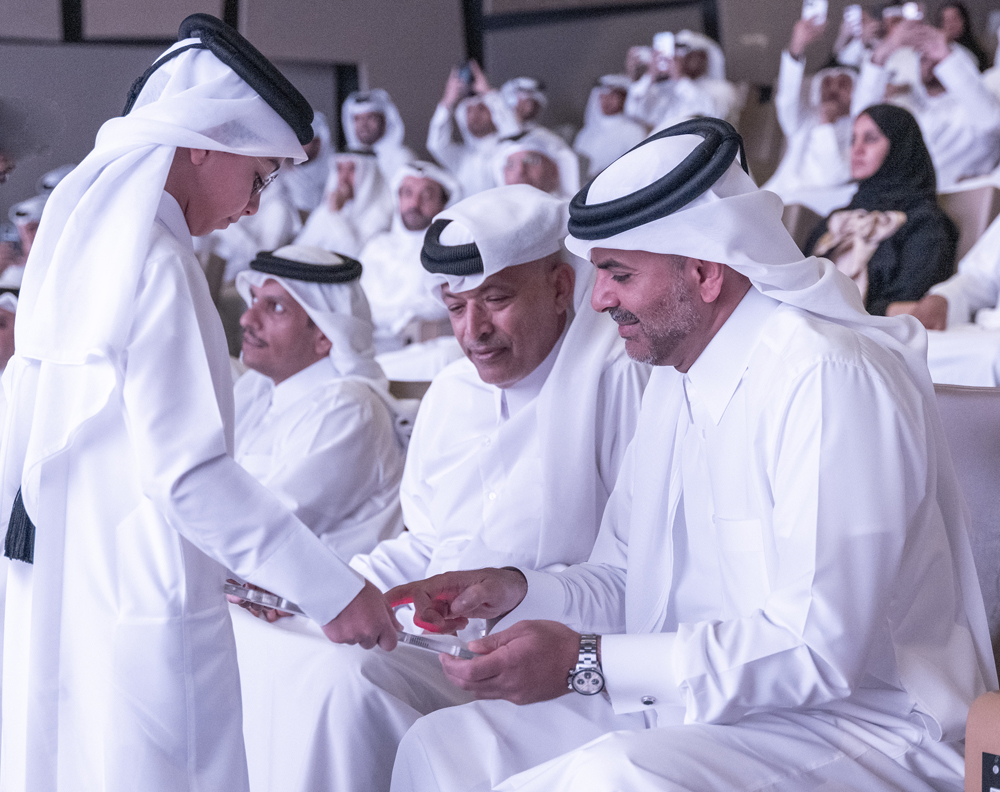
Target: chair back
x=799 y=220
x=972 y=211
x=971 y=418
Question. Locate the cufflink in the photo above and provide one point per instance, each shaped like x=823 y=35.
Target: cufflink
x=648 y=700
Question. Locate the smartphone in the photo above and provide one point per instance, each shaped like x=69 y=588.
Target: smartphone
x=913 y=11
x=264 y=599
x=436 y=644
x=465 y=73
x=664 y=44
x=815 y=10
x=852 y=18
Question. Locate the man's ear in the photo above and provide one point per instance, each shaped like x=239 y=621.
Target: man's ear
x=198 y=156
x=564 y=279
x=323 y=344
x=709 y=276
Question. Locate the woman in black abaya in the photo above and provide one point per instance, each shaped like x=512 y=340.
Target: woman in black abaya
x=893 y=239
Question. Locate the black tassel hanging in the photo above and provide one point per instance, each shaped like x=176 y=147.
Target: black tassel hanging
x=20 y=541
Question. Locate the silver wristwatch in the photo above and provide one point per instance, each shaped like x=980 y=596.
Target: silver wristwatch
x=587 y=677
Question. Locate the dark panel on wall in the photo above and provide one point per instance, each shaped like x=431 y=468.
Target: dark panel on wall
x=87 y=83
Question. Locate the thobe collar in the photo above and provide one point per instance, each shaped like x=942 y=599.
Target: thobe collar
x=172 y=216
x=715 y=375
x=289 y=391
x=509 y=401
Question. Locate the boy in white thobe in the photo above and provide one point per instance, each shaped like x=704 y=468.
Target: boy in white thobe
x=525 y=433
x=782 y=595
x=126 y=505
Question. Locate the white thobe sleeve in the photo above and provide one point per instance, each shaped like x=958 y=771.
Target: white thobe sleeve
x=439 y=140
x=788 y=99
x=870 y=87
x=961 y=78
x=178 y=433
x=976 y=285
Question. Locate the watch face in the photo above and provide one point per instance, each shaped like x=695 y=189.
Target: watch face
x=588 y=682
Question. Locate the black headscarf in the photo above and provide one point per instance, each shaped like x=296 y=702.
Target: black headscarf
x=906 y=177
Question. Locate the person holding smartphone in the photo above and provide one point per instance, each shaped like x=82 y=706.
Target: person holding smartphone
x=817 y=127
x=958 y=116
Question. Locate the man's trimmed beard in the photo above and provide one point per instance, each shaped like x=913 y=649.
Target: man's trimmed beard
x=670 y=321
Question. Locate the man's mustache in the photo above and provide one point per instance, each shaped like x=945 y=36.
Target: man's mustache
x=623 y=317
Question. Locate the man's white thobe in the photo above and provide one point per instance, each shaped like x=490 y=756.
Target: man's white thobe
x=762 y=583
x=475 y=490
x=326 y=446
x=120 y=665
x=396 y=284
x=817 y=156
x=390 y=150
x=367 y=213
x=967 y=352
x=471 y=161
x=961 y=126
x=604 y=138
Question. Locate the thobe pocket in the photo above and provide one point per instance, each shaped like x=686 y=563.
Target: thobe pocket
x=744 y=571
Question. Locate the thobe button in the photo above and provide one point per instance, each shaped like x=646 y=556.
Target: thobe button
x=649 y=700
x=493 y=496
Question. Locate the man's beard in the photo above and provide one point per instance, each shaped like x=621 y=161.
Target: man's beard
x=415 y=220
x=673 y=320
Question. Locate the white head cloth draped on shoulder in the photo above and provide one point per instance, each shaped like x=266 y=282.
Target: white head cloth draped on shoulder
x=76 y=302
x=683 y=192
x=505 y=227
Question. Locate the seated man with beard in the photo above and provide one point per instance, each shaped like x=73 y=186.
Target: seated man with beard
x=403 y=310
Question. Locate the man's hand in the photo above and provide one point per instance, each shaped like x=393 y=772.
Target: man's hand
x=345 y=188
x=367 y=620
x=931 y=310
x=529 y=662
x=480 y=85
x=805 y=32
x=445 y=603
x=455 y=90
x=899 y=37
x=929 y=42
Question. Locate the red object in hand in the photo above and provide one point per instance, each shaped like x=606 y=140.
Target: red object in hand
x=421 y=624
